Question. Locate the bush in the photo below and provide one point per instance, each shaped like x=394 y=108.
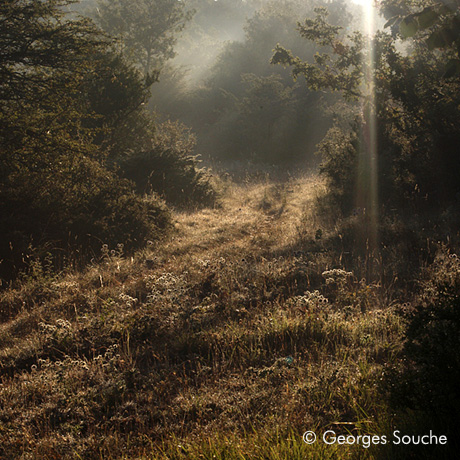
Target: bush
x=339 y=152
x=70 y=107
x=170 y=169
x=70 y=210
x=428 y=380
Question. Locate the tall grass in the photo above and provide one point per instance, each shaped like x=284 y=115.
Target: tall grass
x=227 y=341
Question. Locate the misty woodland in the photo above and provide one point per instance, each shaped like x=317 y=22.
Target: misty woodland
x=229 y=229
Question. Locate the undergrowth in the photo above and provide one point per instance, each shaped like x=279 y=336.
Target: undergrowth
x=228 y=341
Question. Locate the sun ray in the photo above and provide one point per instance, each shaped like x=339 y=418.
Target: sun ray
x=367 y=198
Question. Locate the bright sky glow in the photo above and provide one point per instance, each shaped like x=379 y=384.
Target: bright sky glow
x=368 y=15
x=364 y=3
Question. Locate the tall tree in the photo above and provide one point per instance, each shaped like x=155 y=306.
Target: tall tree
x=416 y=107
x=147 y=28
x=436 y=23
x=60 y=89
x=44 y=60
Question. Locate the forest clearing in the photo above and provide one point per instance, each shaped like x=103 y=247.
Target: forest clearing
x=228 y=340
x=229 y=229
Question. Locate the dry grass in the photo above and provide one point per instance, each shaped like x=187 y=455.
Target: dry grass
x=225 y=341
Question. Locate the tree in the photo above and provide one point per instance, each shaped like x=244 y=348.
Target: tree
x=147 y=28
x=43 y=62
x=56 y=190
x=436 y=23
x=416 y=110
x=340 y=70
x=265 y=118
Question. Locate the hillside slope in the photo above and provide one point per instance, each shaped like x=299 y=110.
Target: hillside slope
x=228 y=340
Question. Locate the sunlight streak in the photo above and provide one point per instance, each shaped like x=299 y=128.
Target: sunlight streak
x=367 y=164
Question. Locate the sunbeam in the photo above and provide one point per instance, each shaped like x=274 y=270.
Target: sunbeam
x=367 y=198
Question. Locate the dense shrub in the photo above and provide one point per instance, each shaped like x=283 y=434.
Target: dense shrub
x=429 y=378
x=170 y=169
x=338 y=152
x=72 y=115
x=72 y=210
x=115 y=94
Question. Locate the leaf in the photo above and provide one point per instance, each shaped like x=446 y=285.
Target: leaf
x=391 y=11
x=452 y=68
x=447 y=7
x=436 y=40
x=391 y=21
x=427 y=18
x=409 y=26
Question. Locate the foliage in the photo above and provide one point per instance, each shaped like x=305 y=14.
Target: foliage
x=416 y=117
x=338 y=151
x=72 y=205
x=61 y=97
x=170 y=169
x=427 y=380
x=436 y=23
x=44 y=61
x=248 y=110
x=115 y=94
x=147 y=28
x=156 y=158
x=344 y=73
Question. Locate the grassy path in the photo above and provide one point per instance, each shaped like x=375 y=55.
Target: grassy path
x=227 y=341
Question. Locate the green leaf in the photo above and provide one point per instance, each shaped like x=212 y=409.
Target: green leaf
x=436 y=40
x=391 y=21
x=409 y=26
x=427 y=18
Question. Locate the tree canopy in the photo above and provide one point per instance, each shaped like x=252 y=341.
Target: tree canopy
x=72 y=109
x=147 y=28
x=414 y=99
